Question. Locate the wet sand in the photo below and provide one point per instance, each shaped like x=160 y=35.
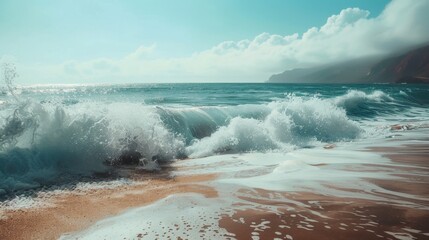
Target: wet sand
x=71 y=212
x=258 y=213
x=324 y=217
x=319 y=216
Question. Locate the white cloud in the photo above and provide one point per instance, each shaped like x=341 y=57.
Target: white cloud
x=347 y=17
x=349 y=34
x=141 y=53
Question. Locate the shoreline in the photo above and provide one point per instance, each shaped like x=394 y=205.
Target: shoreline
x=71 y=212
x=344 y=218
x=257 y=213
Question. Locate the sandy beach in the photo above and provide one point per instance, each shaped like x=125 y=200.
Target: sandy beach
x=399 y=212
x=72 y=212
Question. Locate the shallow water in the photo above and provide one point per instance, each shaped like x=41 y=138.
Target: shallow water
x=347 y=191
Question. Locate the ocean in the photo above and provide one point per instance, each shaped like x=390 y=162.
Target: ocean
x=58 y=134
x=214 y=161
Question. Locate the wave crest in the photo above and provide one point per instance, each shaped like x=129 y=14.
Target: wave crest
x=359 y=103
x=292 y=123
x=43 y=142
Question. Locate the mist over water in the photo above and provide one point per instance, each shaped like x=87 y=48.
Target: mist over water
x=57 y=132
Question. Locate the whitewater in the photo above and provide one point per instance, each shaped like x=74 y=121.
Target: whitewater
x=214 y=161
x=54 y=134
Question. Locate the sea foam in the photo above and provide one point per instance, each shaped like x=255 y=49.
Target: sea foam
x=289 y=124
x=81 y=130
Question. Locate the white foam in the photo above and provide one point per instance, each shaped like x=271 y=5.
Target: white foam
x=315 y=170
x=41 y=143
x=401 y=235
x=306 y=169
x=44 y=198
x=195 y=217
x=355 y=97
x=292 y=123
x=21 y=203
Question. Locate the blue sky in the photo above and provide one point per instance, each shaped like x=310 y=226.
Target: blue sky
x=193 y=40
x=49 y=31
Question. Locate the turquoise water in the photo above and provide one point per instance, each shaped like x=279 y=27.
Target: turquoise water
x=212 y=94
x=50 y=134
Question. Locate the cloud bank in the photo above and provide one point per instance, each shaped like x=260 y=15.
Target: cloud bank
x=351 y=33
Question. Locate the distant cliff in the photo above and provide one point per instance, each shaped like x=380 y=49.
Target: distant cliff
x=410 y=67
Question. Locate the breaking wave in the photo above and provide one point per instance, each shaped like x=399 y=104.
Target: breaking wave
x=359 y=103
x=44 y=142
x=41 y=142
x=288 y=124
